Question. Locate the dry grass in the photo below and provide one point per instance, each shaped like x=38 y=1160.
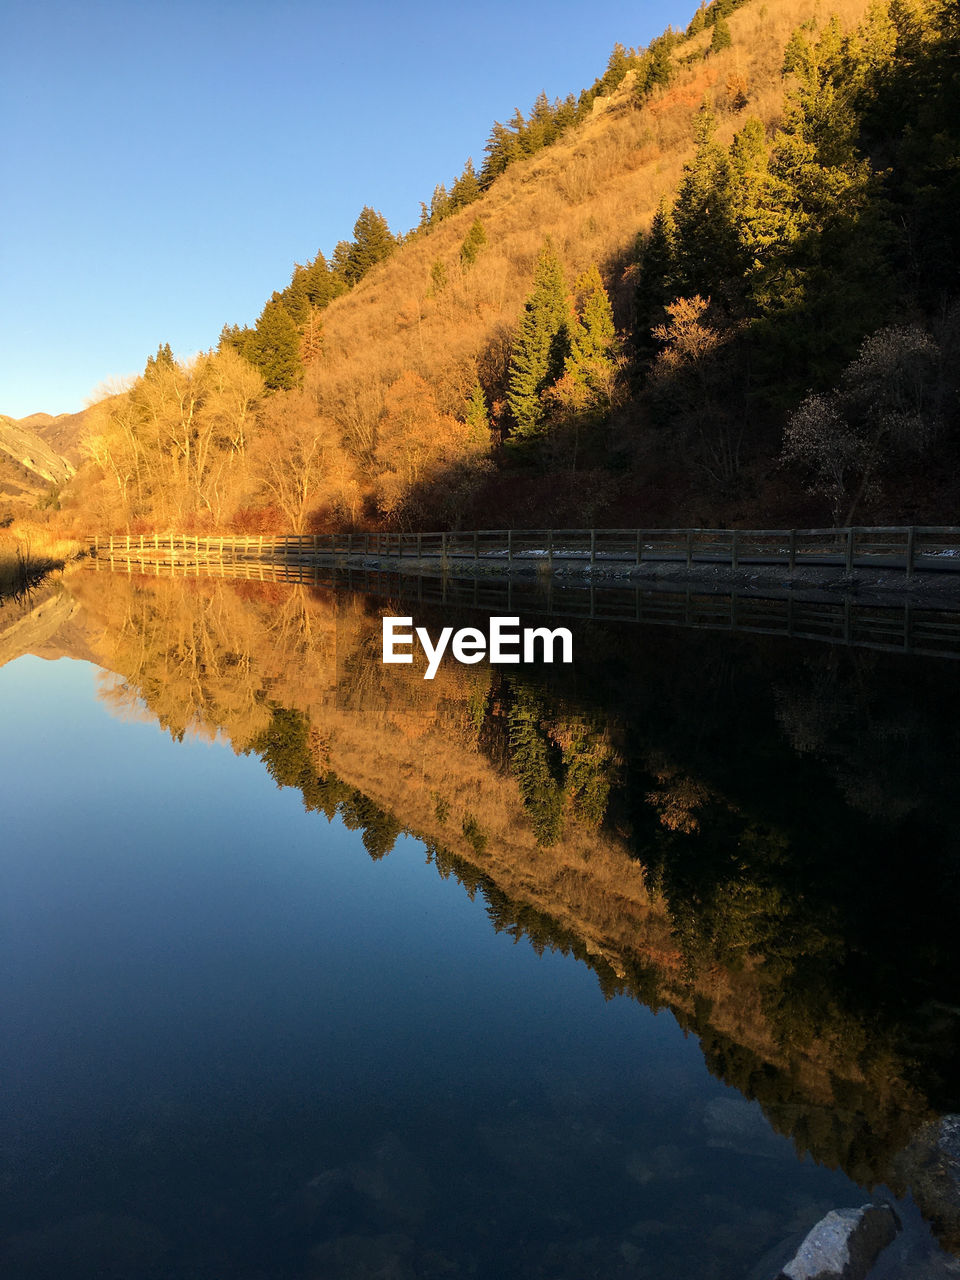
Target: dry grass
x=28 y=553
x=591 y=193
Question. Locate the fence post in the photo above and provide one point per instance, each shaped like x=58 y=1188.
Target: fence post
x=593 y=549
x=509 y=546
x=850 y=550
x=735 y=549
x=689 y=548
x=476 y=547
x=639 y=546
x=419 y=546
x=911 y=540
x=550 y=550
x=443 y=556
x=792 y=560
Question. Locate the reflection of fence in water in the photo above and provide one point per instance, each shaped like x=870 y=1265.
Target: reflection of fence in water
x=904 y=628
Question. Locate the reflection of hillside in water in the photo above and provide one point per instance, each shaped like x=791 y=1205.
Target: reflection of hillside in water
x=756 y=835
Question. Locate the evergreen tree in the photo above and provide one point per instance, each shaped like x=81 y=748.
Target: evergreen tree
x=439 y=204
x=502 y=148
x=237 y=337
x=542 y=126
x=656 y=67
x=518 y=127
x=698 y=22
x=541 y=346
x=466 y=189
x=274 y=348
x=438 y=278
x=722 y=38
x=477 y=415
x=821 y=284
x=618 y=64
x=758 y=198
x=320 y=284
x=656 y=284
x=594 y=348
x=566 y=113
x=474 y=241
x=372 y=243
x=797 y=53
x=162 y=360
x=340 y=259
x=709 y=259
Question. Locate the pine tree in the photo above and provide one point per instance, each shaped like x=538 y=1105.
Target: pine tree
x=656 y=67
x=618 y=64
x=542 y=125
x=657 y=276
x=722 y=38
x=466 y=189
x=797 y=53
x=372 y=243
x=474 y=241
x=594 y=348
x=320 y=284
x=541 y=346
x=439 y=204
x=294 y=296
x=566 y=113
x=274 y=348
x=709 y=259
x=758 y=198
x=162 y=360
x=502 y=148
x=340 y=259
x=477 y=416
x=438 y=278
x=698 y=22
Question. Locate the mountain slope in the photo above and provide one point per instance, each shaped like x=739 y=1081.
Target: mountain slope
x=29 y=466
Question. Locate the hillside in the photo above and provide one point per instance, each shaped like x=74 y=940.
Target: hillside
x=63 y=432
x=723 y=294
x=30 y=461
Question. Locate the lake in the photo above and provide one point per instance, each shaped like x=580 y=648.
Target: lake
x=313 y=968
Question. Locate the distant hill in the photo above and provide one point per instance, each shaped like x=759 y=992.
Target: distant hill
x=62 y=432
x=36 y=453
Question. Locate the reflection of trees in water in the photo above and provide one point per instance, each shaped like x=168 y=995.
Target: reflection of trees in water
x=562 y=762
x=794 y=810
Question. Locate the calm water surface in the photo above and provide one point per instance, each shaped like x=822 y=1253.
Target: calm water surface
x=244 y=1037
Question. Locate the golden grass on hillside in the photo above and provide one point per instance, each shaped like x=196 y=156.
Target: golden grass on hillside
x=591 y=192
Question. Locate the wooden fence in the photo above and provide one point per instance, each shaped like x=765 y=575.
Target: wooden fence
x=904 y=627
x=909 y=549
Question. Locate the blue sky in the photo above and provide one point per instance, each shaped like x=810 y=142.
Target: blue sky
x=164 y=165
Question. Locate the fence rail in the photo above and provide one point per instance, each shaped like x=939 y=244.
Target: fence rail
x=910 y=548
x=903 y=628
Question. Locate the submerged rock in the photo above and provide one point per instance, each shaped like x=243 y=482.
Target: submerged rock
x=844 y=1245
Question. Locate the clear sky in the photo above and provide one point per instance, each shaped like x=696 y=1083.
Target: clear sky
x=165 y=164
